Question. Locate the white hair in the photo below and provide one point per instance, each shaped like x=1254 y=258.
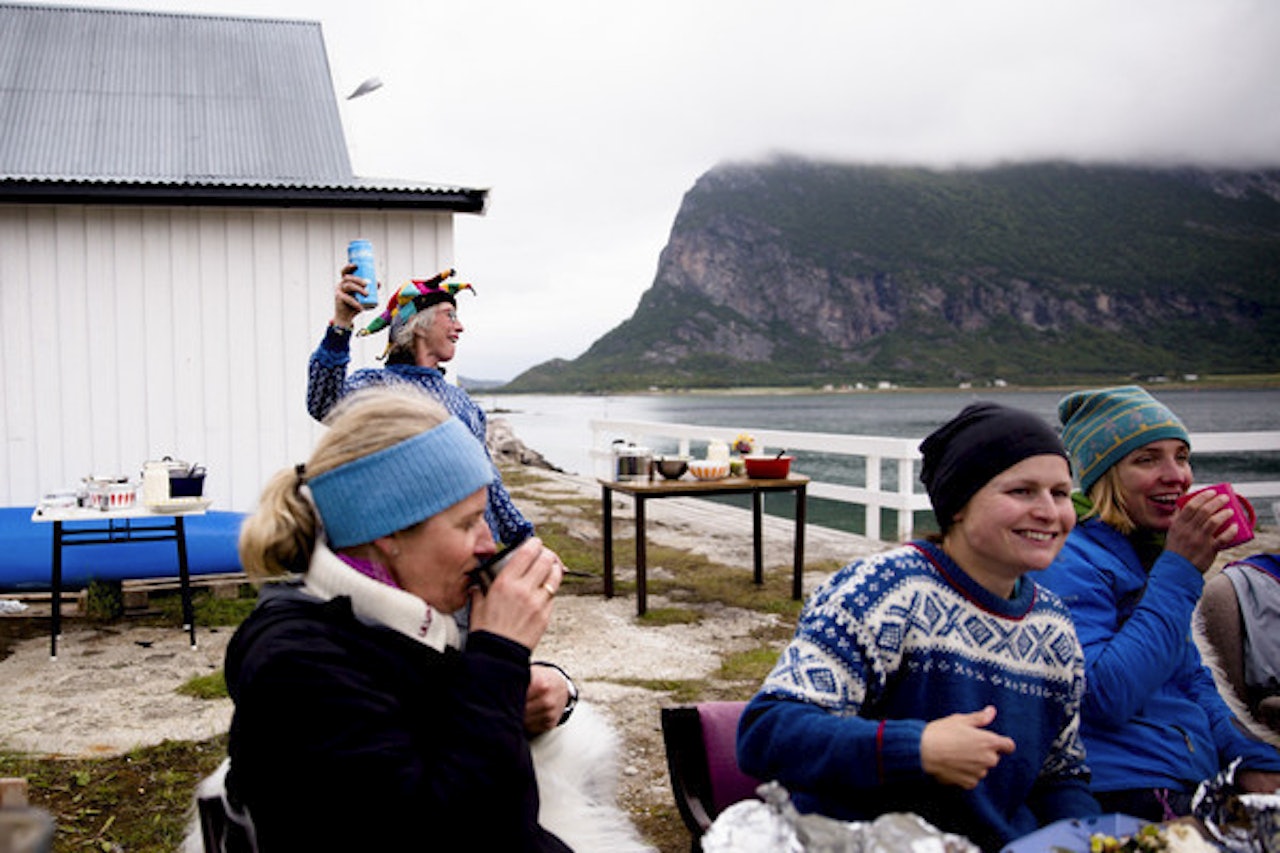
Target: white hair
x=402 y=334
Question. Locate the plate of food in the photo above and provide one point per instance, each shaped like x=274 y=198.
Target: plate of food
x=175 y=506
x=1112 y=833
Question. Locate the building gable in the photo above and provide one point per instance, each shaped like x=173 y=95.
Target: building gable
x=106 y=106
x=147 y=95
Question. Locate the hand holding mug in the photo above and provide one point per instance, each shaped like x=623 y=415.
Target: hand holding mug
x=517 y=604
x=1242 y=513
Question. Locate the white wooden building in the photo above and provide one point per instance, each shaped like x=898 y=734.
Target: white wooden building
x=176 y=198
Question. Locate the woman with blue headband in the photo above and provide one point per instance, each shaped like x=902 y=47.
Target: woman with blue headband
x=1132 y=572
x=362 y=719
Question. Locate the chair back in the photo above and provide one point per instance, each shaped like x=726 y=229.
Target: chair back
x=701 y=742
x=720 y=740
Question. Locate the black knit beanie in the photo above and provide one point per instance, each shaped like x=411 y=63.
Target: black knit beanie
x=962 y=455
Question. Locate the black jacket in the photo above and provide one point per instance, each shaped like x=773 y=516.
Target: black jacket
x=348 y=736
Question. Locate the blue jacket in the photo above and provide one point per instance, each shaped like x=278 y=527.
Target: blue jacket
x=1152 y=716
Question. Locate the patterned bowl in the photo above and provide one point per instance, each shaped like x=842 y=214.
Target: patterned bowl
x=705 y=469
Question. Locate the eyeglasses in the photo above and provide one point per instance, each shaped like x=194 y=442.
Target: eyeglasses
x=452 y=315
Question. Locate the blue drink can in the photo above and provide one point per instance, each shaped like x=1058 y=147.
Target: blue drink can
x=360 y=253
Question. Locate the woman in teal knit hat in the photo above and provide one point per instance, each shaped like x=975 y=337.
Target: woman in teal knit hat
x=1131 y=572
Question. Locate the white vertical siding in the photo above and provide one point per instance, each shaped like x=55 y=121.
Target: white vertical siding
x=23 y=365
x=135 y=333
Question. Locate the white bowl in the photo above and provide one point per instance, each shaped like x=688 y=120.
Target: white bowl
x=705 y=469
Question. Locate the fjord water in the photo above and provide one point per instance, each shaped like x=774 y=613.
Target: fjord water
x=558 y=426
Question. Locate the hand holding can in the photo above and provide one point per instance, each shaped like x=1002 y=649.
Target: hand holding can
x=360 y=253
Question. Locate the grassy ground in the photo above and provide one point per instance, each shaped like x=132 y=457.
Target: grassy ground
x=134 y=802
x=141 y=801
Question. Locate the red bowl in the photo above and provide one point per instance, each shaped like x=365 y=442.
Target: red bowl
x=768 y=467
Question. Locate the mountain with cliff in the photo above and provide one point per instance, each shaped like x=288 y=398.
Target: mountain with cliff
x=802 y=273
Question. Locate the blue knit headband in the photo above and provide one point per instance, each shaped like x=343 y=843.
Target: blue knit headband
x=400 y=485
x=1101 y=426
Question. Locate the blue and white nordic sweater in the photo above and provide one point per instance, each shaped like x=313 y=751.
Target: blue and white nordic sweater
x=892 y=642
x=1152 y=716
x=327 y=383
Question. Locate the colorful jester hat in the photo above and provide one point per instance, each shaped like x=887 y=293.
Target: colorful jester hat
x=418 y=295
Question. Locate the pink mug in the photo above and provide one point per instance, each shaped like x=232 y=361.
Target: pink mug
x=1242 y=513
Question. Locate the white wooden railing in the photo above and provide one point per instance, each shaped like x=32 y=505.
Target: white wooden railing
x=907 y=495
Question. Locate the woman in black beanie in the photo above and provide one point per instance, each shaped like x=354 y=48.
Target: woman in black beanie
x=936 y=678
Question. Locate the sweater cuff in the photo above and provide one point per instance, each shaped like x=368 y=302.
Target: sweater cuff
x=1181 y=572
x=337 y=340
x=898 y=751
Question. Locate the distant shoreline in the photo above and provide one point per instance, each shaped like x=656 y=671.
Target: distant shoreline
x=1208 y=382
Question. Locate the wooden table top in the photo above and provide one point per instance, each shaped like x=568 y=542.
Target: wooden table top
x=690 y=485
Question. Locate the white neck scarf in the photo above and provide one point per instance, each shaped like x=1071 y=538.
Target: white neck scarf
x=328 y=578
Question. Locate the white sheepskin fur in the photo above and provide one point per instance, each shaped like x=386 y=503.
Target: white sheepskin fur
x=1210 y=658
x=577 y=770
x=213 y=785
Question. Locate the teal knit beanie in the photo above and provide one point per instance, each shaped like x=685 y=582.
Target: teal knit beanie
x=1100 y=426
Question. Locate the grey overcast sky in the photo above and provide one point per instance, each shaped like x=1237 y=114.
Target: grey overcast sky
x=589 y=120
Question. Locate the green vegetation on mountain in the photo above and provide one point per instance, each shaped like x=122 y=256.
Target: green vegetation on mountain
x=796 y=273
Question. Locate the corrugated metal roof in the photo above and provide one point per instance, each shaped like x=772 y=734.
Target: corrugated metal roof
x=152 y=95
x=366 y=184
x=98 y=99
x=355 y=193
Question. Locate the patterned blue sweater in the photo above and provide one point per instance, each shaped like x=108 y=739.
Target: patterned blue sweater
x=327 y=383
x=892 y=642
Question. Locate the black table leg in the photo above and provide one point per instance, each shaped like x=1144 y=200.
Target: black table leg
x=606 y=505
x=757 y=543
x=184 y=579
x=55 y=626
x=797 y=575
x=642 y=604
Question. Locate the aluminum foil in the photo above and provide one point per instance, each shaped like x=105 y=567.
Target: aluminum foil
x=1240 y=822
x=1264 y=811
x=772 y=825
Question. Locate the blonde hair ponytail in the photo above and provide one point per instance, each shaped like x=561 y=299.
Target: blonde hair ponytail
x=279 y=537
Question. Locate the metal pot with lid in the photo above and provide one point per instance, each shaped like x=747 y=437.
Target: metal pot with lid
x=630 y=461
